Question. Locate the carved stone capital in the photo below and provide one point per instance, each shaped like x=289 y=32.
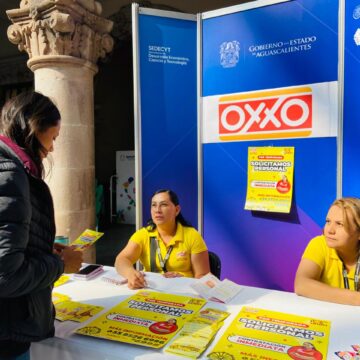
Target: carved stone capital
x=61 y=27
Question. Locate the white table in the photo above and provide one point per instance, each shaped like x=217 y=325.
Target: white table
x=345 y=322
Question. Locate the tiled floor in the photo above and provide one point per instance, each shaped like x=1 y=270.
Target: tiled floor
x=114 y=240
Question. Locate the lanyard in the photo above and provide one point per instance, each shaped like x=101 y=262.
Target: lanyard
x=166 y=258
x=356 y=276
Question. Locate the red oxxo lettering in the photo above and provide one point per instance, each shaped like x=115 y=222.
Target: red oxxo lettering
x=281 y=113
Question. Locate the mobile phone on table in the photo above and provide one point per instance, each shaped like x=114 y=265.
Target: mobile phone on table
x=89 y=272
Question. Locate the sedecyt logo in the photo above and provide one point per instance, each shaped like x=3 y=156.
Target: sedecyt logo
x=280 y=113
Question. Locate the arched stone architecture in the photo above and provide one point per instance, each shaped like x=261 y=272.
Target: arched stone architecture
x=64 y=39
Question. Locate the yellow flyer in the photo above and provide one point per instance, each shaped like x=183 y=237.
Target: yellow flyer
x=58 y=298
x=75 y=311
x=61 y=280
x=197 y=333
x=270 y=179
x=147 y=318
x=258 y=334
x=86 y=239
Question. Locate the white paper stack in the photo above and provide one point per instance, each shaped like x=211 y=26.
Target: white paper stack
x=211 y=288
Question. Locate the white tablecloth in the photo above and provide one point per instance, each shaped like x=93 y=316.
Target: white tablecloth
x=345 y=322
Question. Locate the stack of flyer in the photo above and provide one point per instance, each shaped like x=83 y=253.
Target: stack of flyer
x=197 y=333
x=211 y=288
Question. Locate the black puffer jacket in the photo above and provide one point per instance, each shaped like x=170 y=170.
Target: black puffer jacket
x=28 y=267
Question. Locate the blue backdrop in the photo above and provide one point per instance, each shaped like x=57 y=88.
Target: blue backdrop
x=351 y=137
x=279 y=27
x=168 y=110
x=282 y=45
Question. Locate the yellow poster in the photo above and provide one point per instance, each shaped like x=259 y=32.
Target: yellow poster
x=258 y=334
x=147 y=318
x=270 y=179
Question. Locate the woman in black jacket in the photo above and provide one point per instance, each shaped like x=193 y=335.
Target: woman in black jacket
x=29 y=263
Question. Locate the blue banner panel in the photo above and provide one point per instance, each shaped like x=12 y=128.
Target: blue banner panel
x=351 y=137
x=250 y=57
x=257 y=248
x=270 y=47
x=168 y=110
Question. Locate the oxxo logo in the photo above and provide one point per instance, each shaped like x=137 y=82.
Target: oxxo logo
x=268 y=114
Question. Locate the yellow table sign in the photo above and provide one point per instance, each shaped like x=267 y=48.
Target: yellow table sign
x=260 y=334
x=147 y=318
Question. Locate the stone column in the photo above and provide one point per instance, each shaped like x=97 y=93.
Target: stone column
x=64 y=39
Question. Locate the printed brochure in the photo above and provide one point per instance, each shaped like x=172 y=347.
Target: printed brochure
x=86 y=239
x=211 y=288
x=75 y=311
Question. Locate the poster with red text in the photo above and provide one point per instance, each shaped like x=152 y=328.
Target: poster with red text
x=270 y=179
x=147 y=318
x=257 y=334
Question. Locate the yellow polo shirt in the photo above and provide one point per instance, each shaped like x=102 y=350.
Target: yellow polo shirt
x=329 y=262
x=187 y=241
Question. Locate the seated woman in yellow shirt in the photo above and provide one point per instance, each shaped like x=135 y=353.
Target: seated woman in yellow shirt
x=330 y=266
x=167 y=245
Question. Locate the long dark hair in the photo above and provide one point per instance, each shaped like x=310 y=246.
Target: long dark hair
x=25 y=115
x=175 y=200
